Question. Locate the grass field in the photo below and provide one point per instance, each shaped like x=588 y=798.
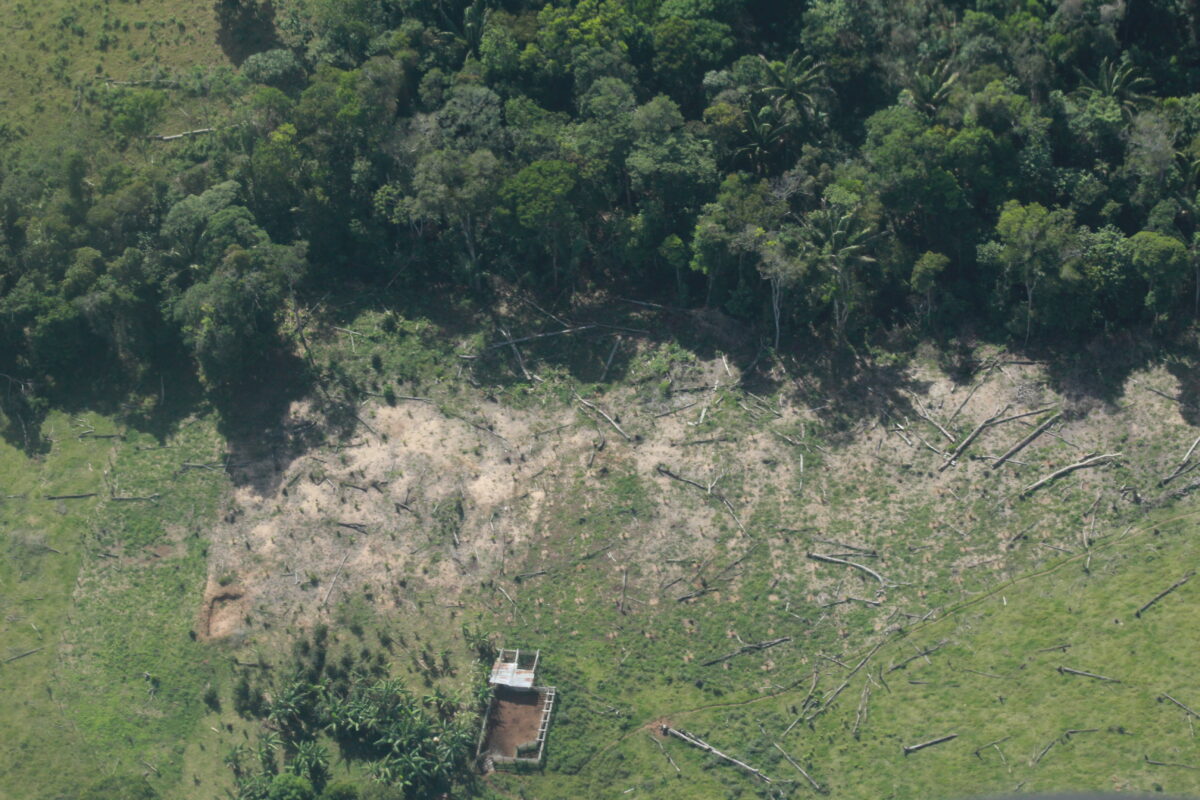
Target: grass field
x=108 y=589
x=57 y=53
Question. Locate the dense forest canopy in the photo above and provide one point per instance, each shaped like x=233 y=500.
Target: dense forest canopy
x=829 y=169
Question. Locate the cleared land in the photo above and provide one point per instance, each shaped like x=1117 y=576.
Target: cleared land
x=645 y=517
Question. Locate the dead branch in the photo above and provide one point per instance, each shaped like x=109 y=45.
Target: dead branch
x=354 y=526
x=1068 y=671
x=1042 y=754
x=816 y=676
x=22 y=655
x=853 y=547
x=862 y=708
x=677 y=410
x=990 y=744
x=70 y=496
x=1149 y=760
x=868 y=570
x=971 y=437
x=333 y=582
x=1181 y=705
x=665 y=753
x=816 y=786
x=695 y=594
x=1165 y=592
x=599 y=411
x=563 y=332
x=912 y=748
x=1094 y=461
x=708 y=748
x=185 y=134
x=1184 y=465
x=849 y=599
x=1021 y=445
x=750 y=648
x=134 y=499
x=508 y=597
x=924 y=414
x=1023 y=415
x=926 y=652
x=707 y=490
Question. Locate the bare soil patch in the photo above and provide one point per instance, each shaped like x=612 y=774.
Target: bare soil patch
x=223 y=611
x=513 y=721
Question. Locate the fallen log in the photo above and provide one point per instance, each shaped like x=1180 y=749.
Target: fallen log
x=184 y=135
x=862 y=707
x=1042 y=754
x=971 y=437
x=816 y=786
x=22 y=655
x=534 y=337
x=912 y=748
x=1149 y=760
x=333 y=582
x=1181 y=705
x=926 y=652
x=750 y=648
x=1183 y=465
x=665 y=753
x=990 y=744
x=1028 y=440
x=843 y=562
x=1164 y=593
x=708 y=748
x=707 y=490
x=1094 y=461
x=599 y=411
x=70 y=496
x=1068 y=671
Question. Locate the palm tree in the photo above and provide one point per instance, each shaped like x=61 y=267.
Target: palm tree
x=834 y=246
x=929 y=89
x=311 y=761
x=796 y=85
x=764 y=131
x=1119 y=81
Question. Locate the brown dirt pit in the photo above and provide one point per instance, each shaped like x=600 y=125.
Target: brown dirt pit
x=513 y=721
x=223 y=610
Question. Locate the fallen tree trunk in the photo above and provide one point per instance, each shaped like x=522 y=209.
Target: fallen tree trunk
x=1165 y=592
x=1184 y=466
x=750 y=648
x=1094 y=461
x=611 y=421
x=1069 y=671
x=843 y=562
x=708 y=748
x=184 y=135
x=1028 y=440
x=912 y=748
x=799 y=768
x=971 y=437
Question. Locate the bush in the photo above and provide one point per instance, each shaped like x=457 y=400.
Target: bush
x=286 y=786
x=278 y=68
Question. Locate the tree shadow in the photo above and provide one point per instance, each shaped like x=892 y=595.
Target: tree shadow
x=245 y=27
x=262 y=433
x=1096 y=371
